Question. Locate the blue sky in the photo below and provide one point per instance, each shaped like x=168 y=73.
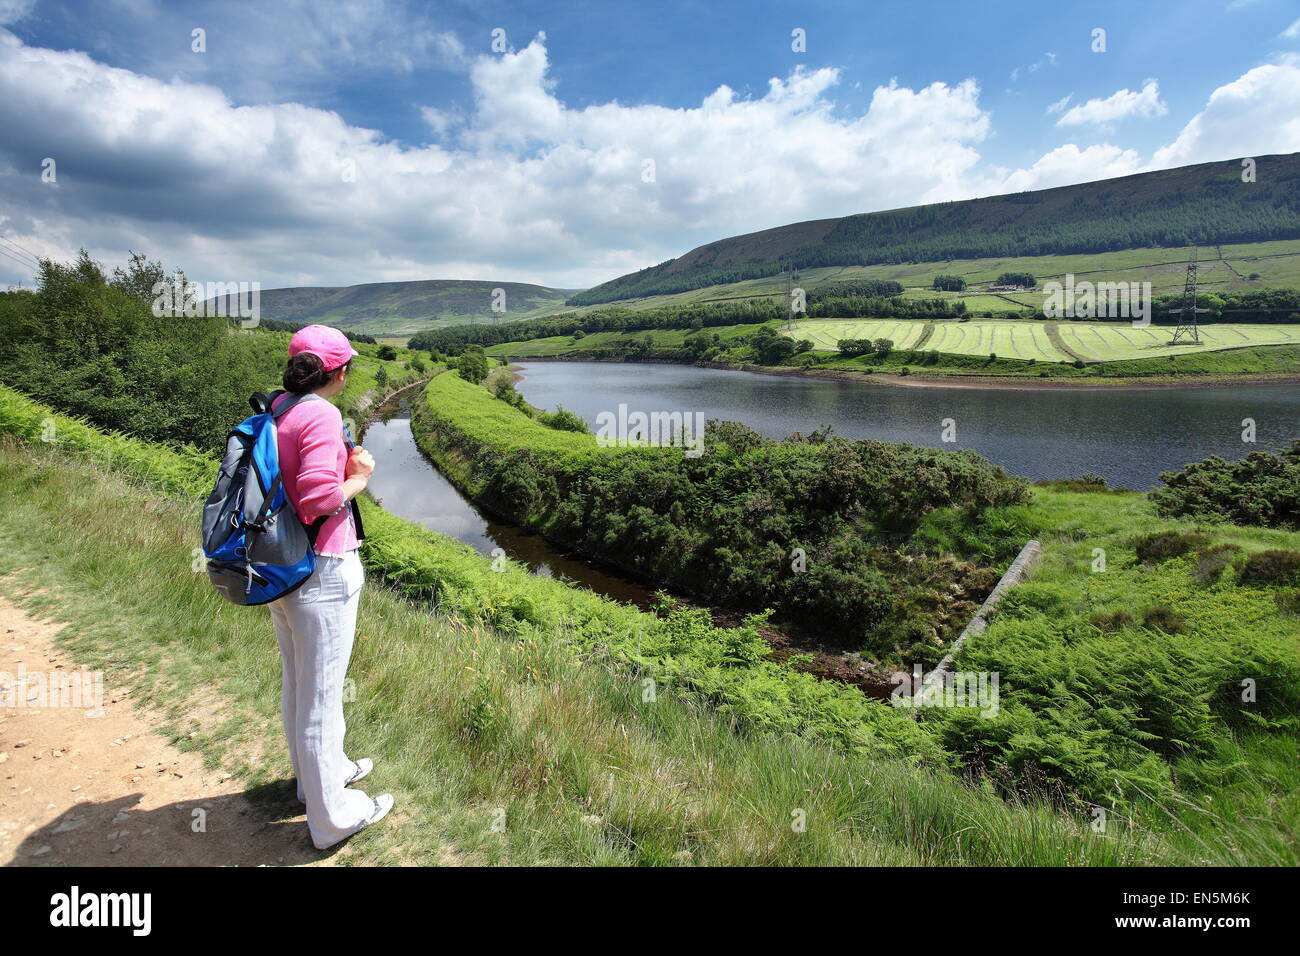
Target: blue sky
x=530 y=163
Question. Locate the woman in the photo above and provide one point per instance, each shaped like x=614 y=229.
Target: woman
x=316 y=623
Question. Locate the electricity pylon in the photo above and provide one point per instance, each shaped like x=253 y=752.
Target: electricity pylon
x=1186 y=331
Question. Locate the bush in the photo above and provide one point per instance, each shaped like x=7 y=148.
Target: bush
x=563 y=419
x=1163 y=545
x=722 y=525
x=1164 y=618
x=1263 y=489
x=1288 y=602
x=1272 y=567
x=1085 y=483
x=1114 y=621
x=91 y=347
x=1213 y=561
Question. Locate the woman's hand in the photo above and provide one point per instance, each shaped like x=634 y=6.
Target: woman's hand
x=361 y=464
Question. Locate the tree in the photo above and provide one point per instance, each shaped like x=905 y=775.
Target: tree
x=770 y=348
x=387 y=353
x=1024 y=279
x=473 y=364
x=946 y=283
x=139 y=277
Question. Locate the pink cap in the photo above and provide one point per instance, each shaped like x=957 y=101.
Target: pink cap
x=329 y=345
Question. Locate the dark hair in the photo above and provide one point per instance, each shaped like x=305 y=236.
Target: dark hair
x=306 y=373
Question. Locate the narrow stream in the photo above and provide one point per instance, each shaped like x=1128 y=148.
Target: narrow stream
x=406 y=484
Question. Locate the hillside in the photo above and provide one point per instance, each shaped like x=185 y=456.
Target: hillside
x=1206 y=204
x=401 y=308
x=1230 y=798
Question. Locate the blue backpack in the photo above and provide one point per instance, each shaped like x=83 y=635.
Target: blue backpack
x=257 y=547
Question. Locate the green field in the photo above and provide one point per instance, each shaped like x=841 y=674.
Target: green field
x=1092 y=341
x=564 y=344
x=1226 y=268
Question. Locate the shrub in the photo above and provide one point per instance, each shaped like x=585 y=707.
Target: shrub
x=1083 y=483
x=1163 y=545
x=1164 y=618
x=563 y=419
x=1263 y=489
x=1114 y=621
x=90 y=346
x=1272 y=567
x=1213 y=561
x=1288 y=602
x=722 y=525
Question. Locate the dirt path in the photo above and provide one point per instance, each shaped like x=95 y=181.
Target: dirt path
x=78 y=788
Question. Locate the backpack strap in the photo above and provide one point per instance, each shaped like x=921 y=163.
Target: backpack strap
x=277 y=412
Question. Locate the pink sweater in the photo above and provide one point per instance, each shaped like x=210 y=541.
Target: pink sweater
x=312 y=457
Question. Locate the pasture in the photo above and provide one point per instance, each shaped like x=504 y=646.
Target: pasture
x=1024 y=339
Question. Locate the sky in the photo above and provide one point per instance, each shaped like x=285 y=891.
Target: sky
x=566 y=143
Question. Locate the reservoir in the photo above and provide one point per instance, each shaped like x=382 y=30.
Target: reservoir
x=406 y=484
x=1128 y=436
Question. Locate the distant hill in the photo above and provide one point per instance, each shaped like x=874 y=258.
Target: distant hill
x=1205 y=204
x=402 y=308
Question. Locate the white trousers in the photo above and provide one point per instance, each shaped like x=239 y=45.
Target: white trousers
x=315 y=626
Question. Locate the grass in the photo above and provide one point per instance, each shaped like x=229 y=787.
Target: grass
x=1024 y=348
x=1018 y=339
x=1276 y=263
x=1237 y=793
x=468 y=726
x=484 y=701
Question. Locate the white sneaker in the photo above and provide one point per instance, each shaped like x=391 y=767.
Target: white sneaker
x=364 y=766
x=383 y=803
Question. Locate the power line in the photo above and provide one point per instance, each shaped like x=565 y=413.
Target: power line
x=35 y=259
x=21 y=262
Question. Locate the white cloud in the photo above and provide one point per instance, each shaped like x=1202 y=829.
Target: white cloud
x=1060 y=104
x=518 y=185
x=11 y=11
x=1047 y=59
x=1292 y=32
x=526 y=188
x=1069 y=164
x=1123 y=104
x=1257 y=113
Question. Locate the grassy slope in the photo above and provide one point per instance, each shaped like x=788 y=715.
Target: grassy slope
x=1277 y=264
x=464 y=722
x=1239 y=797
x=1274 y=361
x=1151 y=208
x=1093 y=341
x=1249 y=769
x=505 y=718
x=380 y=308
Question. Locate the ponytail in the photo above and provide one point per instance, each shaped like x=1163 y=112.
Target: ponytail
x=305 y=373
